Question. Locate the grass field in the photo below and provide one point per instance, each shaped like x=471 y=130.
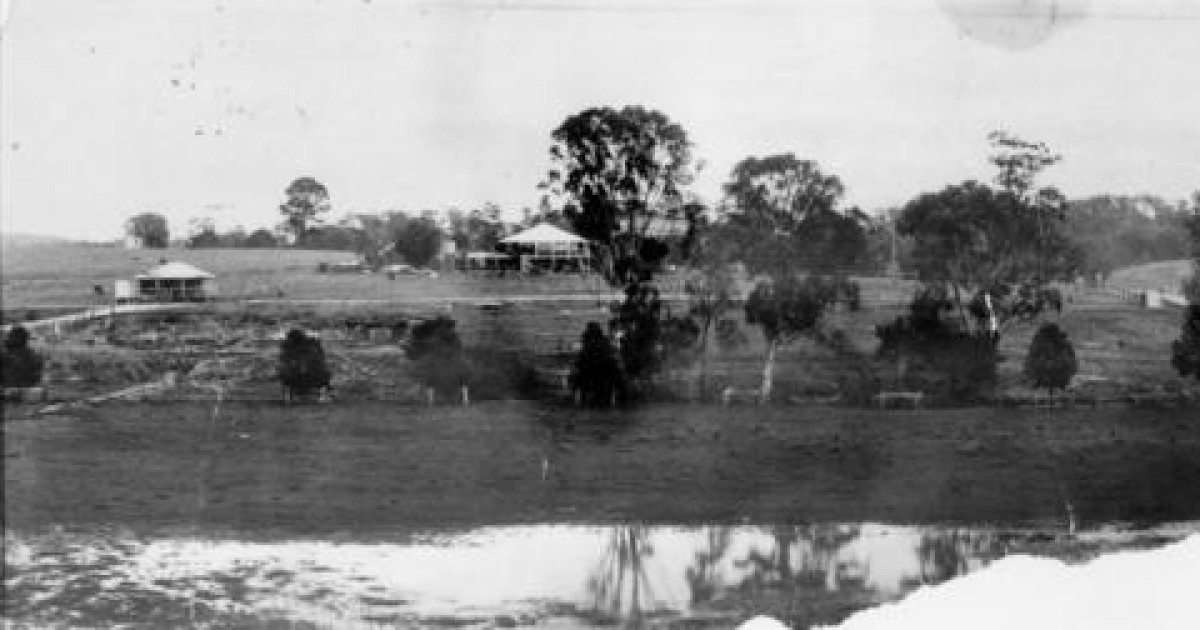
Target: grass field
x=1167 y=275
x=328 y=469
x=64 y=274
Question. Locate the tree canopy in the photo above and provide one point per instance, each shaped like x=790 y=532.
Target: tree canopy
x=620 y=172
x=783 y=214
x=971 y=236
x=418 y=240
x=306 y=198
x=150 y=228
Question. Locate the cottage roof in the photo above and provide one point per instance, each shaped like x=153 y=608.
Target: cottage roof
x=176 y=271
x=543 y=233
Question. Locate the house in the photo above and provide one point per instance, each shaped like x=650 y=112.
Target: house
x=175 y=282
x=545 y=247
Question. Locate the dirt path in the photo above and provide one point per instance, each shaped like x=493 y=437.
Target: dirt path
x=322 y=469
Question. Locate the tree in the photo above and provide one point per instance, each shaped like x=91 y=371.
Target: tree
x=1185 y=351
x=711 y=281
x=1191 y=287
x=620 y=172
x=598 y=376
x=783 y=222
x=20 y=366
x=306 y=200
x=437 y=352
x=934 y=355
x=1051 y=362
x=970 y=238
x=150 y=228
x=1019 y=163
x=785 y=309
x=202 y=233
x=302 y=366
x=418 y=240
x=260 y=238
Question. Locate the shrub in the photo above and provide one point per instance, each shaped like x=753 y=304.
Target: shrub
x=1050 y=363
x=302 y=366
x=598 y=376
x=435 y=348
x=942 y=358
x=1185 y=352
x=20 y=366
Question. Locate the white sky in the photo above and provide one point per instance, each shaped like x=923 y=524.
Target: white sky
x=211 y=107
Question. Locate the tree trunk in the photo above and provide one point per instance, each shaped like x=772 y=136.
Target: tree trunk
x=768 y=373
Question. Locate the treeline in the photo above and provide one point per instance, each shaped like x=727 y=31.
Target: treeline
x=1114 y=232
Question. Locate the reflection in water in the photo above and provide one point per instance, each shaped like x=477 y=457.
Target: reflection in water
x=538 y=576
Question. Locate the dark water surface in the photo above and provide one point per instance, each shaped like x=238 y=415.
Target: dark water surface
x=541 y=576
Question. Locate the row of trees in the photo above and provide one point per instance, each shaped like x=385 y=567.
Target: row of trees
x=621 y=173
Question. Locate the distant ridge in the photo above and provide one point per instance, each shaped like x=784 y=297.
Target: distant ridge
x=18 y=239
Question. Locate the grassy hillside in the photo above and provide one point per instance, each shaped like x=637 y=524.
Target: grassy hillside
x=64 y=273
x=1166 y=275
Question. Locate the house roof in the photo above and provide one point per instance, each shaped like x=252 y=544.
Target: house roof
x=175 y=270
x=543 y=233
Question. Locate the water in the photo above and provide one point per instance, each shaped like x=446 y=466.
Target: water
x=541 y=576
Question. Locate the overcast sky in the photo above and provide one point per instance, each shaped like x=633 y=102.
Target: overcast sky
x=211 y=107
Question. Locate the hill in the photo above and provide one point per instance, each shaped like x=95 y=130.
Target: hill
x=1166 y=276
x=18 y=239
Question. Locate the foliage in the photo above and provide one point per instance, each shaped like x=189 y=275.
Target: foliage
x=784 y=215
x=785 y=309
x=1185 y=351
x=598 y=375
x=971 y=236
x=418 y=240
x=1019 y=162
x=437 y=352
x=260 y=238
x=20 y=366
x=620 y=172
x=306 y=199
x=1115 y=231
x=302 y=365
x=1192 y=287
x=1051 y=362
x=934 y=355
x=479 y=230
x=150 y=228
x=711 y=285
x=638 y=323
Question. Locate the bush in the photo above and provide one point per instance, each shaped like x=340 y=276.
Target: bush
x=1050 y=363
x=302 y=366
x=437 y=351
x=1185 y=352
x=598 y=376
x=20 y=366
x=942 y=359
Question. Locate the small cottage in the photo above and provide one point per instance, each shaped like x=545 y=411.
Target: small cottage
x=175 y=282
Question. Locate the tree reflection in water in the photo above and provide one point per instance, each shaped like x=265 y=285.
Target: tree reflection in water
x=703 y=577
x=946 y=554
x=816 y=547
x=619 y=586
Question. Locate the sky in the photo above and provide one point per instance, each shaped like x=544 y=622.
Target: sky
x=211 y=107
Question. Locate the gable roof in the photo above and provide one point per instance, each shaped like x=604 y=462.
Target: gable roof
x=175 y=270
x=543 y=233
